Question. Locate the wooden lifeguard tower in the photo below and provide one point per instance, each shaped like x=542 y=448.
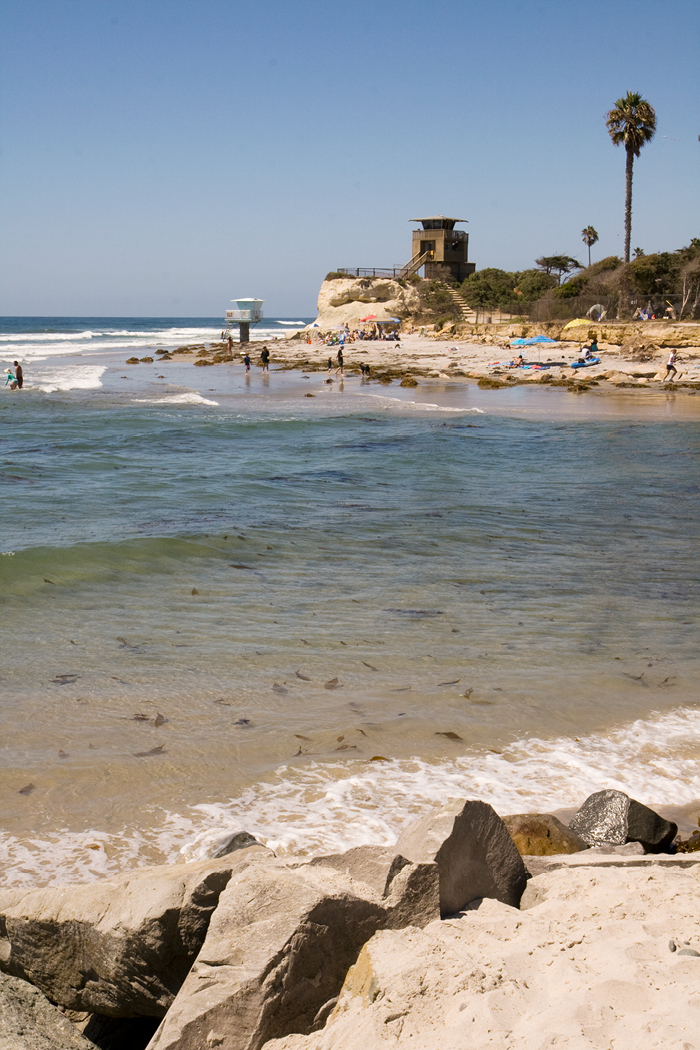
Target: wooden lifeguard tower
x=247 y=312
x=444 y=251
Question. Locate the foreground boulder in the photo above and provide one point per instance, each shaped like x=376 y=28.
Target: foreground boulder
x=542 y=835
x=120 y=947
x=28 y=1021
x=588 y=968
x=278 y=948
x=613 y=817
x=475 y=855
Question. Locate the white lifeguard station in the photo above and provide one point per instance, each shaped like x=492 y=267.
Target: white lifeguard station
x=247 y=312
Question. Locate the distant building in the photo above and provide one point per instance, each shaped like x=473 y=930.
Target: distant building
x=443 y=249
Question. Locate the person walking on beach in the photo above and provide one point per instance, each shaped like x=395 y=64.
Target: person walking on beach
x=230 y=343
x=340 y=362
x=265 y=359
x=671 y=370
x=246 y=362
x=19 y=374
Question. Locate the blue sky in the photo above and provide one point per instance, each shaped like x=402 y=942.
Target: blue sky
x=160 y=157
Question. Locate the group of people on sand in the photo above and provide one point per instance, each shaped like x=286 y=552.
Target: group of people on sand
x=15 y=380
x=372 y=332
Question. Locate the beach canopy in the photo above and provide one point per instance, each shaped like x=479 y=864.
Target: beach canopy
x=533 y=341
x=576 y=323
x=369 y=317
x=390 y=320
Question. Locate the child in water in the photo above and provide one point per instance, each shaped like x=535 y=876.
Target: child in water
x=246 y=362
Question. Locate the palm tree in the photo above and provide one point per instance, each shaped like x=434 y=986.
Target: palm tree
x=632 y=122
x=589 y=237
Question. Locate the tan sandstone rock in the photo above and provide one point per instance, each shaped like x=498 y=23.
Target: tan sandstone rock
x=347 y=301
x=119 y=947
x=277 y=951
x=596 y=964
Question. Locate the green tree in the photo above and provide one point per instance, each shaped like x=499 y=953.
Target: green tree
x=632 y=123
x=558 y=264
x=589 y=237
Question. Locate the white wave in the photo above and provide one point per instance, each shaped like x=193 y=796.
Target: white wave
x=66 y=377
x=192 y=398
x=653 y=760
x=330 y=807
x=49 y=337
x=396 y=402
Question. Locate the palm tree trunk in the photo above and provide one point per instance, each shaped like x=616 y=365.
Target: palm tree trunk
x=628 y=203
x=589 y=256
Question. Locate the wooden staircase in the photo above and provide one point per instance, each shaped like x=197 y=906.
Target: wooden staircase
x=465 y=309
x=414 y=265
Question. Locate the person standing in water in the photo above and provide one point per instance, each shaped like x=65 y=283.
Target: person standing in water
x=340 y=362
x=265 y=359
x=10 y=379
x=246 y=362
x=19 y=375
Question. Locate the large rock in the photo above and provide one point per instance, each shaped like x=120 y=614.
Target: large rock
x=347 y=301
x=28 y=1021
x=279 y=946
x=613 y=817
x=120 y=947
x=588 y=968
x=475 y=855
x=410 y=892
x=541 y=834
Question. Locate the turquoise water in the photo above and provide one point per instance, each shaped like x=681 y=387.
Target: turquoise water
x=507 y=602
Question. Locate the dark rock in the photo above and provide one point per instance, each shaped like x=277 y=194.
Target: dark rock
x=475 y=855
x=238 y=840
x=120 y=1033
x=28 y=1021
x=613 y=817
x=409 y=381
x=541 y=835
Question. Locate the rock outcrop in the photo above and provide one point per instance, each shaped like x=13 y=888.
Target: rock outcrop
x=347 y=301
x=475 y=855
x=28 y=1021
x=613 y=817
x=121 y=947
x=590 y=966
x=277 y=951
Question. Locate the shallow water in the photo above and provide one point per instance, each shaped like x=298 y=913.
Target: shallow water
x=507 y=598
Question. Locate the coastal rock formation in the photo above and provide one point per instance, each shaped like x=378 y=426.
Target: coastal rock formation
x=475 y=855
x=277 y=951
x=590 y=966
x=28 y=1021
x=611 y=816
x=541 y=834
x=346 y=301
x=121 y=947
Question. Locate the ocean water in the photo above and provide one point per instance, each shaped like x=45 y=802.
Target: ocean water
x=227 y=605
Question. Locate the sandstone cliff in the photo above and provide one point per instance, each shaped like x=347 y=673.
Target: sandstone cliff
x=346 y=301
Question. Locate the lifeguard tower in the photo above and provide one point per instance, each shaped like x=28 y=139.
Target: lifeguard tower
x=247 y=312
x=443 y=251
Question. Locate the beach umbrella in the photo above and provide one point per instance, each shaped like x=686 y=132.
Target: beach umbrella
x=576 y=323
x=533 y=341
x=369 y=317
